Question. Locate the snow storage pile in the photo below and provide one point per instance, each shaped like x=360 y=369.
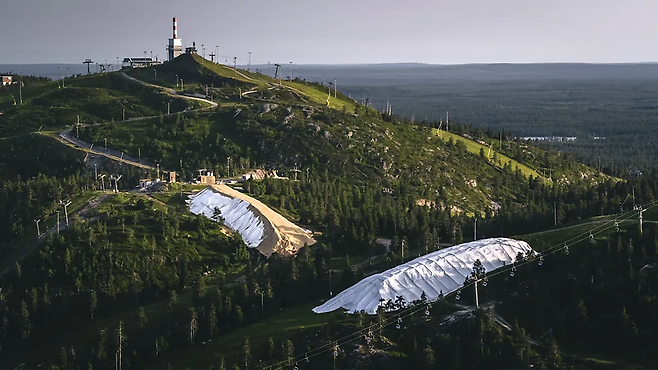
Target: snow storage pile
x=235 y=212
x=440 y=272
x=260 y=226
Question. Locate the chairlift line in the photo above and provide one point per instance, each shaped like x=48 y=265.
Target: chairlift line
x=411 y=310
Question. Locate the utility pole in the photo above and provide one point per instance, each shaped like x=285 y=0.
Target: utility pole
x=475 y=229
x=124 y=113
x=66 y=210
x=555 y=212
x=37 y=222
x=640 y=218
x=102 y=181
x=295 y=170
x=290 y=71
x=331 y=294
x=20 y=91
x=249 y=65
x=158 y=168
x=235 y=67
x=116 y=182
x=477 y=296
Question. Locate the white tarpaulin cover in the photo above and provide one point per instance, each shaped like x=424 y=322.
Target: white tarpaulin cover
x=234 y=211
x=443 y=271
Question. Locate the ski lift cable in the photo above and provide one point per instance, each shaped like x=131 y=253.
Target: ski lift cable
x=412 y=310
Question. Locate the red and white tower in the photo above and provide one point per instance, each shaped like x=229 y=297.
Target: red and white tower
x=175 y=47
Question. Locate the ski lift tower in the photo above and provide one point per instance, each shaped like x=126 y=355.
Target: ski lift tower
x=88 y=62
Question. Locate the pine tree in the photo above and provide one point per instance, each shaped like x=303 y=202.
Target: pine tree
x=270 y=349
x=93 y=303
x=120 y=339
x=220 y=364
x=141 y=318
x=212 y=320
x=26 y=322
x=288 y=351
x=246 y=351
x=429 y=358
x=193 y=325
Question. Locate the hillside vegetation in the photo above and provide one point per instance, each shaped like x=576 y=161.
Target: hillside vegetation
x=140 y=282
x=91 y=99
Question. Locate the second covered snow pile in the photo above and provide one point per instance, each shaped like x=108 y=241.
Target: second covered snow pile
x=440 y=272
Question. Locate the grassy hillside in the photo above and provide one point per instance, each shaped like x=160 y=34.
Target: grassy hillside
x=95 y=98
x=531 y=161
x=378 y=151
x=501 y=159
x=225 y=83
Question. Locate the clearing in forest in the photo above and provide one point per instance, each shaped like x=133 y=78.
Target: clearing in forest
x=269 y=233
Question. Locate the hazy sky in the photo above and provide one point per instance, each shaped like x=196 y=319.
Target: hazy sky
x=334 y=31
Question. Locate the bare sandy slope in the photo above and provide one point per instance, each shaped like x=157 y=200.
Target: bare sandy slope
x=281 y=235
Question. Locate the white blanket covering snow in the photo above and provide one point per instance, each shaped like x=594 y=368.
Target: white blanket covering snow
x=443 y=271
x=234 y=211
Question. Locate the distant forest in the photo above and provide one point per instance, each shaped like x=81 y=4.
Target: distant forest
x=618 y=102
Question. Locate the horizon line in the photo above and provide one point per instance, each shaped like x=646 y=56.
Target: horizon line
x=397 y=63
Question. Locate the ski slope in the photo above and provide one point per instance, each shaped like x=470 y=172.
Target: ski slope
x=440 y=272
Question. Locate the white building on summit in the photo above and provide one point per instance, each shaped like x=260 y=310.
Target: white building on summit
x=440 y=272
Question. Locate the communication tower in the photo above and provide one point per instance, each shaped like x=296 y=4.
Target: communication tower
x=175 y=47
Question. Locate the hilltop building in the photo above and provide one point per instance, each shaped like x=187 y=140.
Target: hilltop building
x=191 y=49
x=175 y=47
x=206 y=177
x=261 y=175
x=6 y=80
x=139 y=62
